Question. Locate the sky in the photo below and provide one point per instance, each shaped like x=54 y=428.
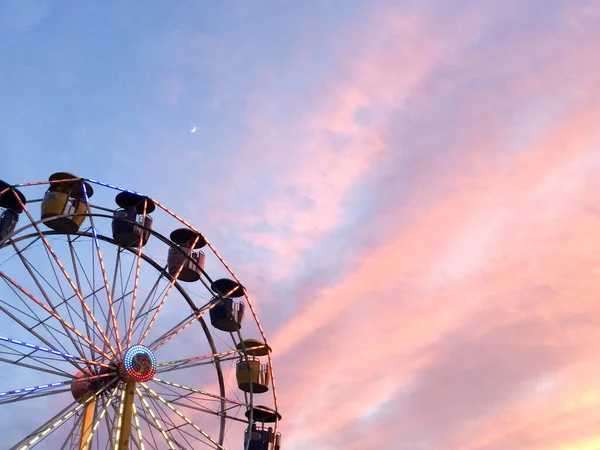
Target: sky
x=406 y=188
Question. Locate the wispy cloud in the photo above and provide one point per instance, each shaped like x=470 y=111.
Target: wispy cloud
x=409 y=191
x=465 y=311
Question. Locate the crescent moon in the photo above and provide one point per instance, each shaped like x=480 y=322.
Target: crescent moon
x=193 y=130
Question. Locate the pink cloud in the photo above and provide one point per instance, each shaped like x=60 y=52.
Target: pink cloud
x=472 y=316
x=459 y=311
x=311 y=164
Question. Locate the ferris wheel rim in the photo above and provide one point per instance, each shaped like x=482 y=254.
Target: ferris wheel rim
x=178 y=286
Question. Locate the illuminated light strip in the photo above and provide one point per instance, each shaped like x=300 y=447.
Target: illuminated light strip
x=41 y=387
x=103 y=269
x=112 y=186
x=174 y=330
x=72 y=284
x=39 y=183
x=175 y=333
x=120 y=419
x=5 y=190
x=197 y=358
x=37 y=347
x=190 y=226
x=136 y=420
x=171 y=284
x=155 y=419
x=248 y=299
x=197 y=391
x=260 y=328
x=193 y=319
x=137 y=278
x=183 y=327
x=29 y=269
x=56 y=424
x=100 y=417
x=54 y=314
x=180 y=414
x=54 y=352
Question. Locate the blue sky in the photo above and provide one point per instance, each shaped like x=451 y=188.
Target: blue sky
x=406 y=188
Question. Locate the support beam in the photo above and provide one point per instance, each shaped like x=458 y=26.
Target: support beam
x=86 y=424
x=125 y=434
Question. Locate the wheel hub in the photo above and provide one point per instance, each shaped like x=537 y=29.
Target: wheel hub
x=139 y=364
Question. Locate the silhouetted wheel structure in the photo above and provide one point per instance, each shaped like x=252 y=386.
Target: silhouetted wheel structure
x=121 y=327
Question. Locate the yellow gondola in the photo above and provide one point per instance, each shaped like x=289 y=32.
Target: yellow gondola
x=252 y=376
x=64 y=207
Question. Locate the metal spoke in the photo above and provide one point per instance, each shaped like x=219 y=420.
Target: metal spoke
x=136 y=280
x=174 y=331
x=36 y=348
x=33 y=316
x=26 y=397
x=54 y=332
x=235 y=277
x=40 y=183
x=138 y=428
x=37 y=368
x=26 y=390
x=41 y=358
x=180 y=414
x=30 y=330
x=118 y=276
x=151 y=425
x=27 y=247
x=119 y=418
x=50 y=426
x=68 y=278
x=104 y=276
x=171 y=284
x=197 y=391
x=87 y=442
x=70 y=436
x=143 y=316
x=110 y=422
x=93 y=336
x=36 y=354
x=53 y=313
x=89 y=330
x=199 y=360
x=91 y=284
x=32 y=272
x=155 y=419
x=170 y=425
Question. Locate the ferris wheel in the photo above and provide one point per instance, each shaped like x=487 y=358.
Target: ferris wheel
x=121 y=327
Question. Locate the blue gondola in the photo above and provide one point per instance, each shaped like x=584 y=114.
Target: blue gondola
x=185 y=261
x=227 y=314
x=11 y=201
